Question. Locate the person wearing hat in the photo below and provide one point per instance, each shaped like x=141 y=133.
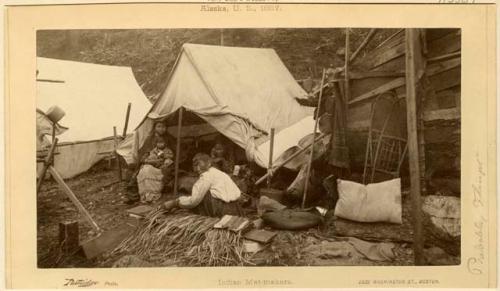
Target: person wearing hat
x=214 y=193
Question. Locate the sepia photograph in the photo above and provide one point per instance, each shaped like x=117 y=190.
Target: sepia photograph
x=211 y=147
x=250 y=145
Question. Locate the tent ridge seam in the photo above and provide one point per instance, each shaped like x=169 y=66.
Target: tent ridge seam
x=210 y=89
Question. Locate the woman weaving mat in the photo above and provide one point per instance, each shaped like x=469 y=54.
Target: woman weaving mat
x=214 y=193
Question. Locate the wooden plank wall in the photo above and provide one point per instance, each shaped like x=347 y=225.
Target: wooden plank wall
x=383 y=69
x=442 y=112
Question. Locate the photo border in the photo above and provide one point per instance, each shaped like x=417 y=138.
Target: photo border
x=478 y=146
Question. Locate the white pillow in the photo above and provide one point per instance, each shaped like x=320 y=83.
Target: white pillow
x=370 y=203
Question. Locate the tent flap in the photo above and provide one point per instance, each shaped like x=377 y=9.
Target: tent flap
x=241 y=92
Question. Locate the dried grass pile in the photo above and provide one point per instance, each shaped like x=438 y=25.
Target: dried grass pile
x=184 y=239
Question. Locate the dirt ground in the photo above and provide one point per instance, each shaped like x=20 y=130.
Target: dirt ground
x=101 y=194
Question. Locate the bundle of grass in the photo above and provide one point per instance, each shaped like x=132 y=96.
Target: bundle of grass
x=184 y=239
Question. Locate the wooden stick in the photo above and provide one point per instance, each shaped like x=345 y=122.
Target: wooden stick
x=393 y=84
x=375 y=74
x=347 y=95
x=321 y=88
x=363 y=44
x=402 y=157
x=53 y=131
x=271 y=148
x=369 y=143
x=309 y=165
x=117 y=157
x=411 y=117
x=46 y=165
x=289 y=159
x=73 y=198
x=444 y=57
x=127 y=117
x=390 y=37
x=379 y=142
x=178 y=150
x=49 y=81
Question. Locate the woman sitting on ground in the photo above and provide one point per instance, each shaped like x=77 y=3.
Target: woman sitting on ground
x=214 y=193
x=151 y=177
x=159 y=131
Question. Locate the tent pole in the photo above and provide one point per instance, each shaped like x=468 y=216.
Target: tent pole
x=309 y=165
x=347 y=95
x=413 y=148
x=271 y=149
x=117 y=157
x=47 y=162
x=127 y=117
x=177 y=150
x=292 y=157
x=53 y=131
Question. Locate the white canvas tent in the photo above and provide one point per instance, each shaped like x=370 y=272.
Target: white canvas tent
x=94 y=98
x=239 y=92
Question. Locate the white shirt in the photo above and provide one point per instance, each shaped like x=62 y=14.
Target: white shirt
x=218 y=183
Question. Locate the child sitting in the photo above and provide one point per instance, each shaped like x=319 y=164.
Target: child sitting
x=160 y=155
